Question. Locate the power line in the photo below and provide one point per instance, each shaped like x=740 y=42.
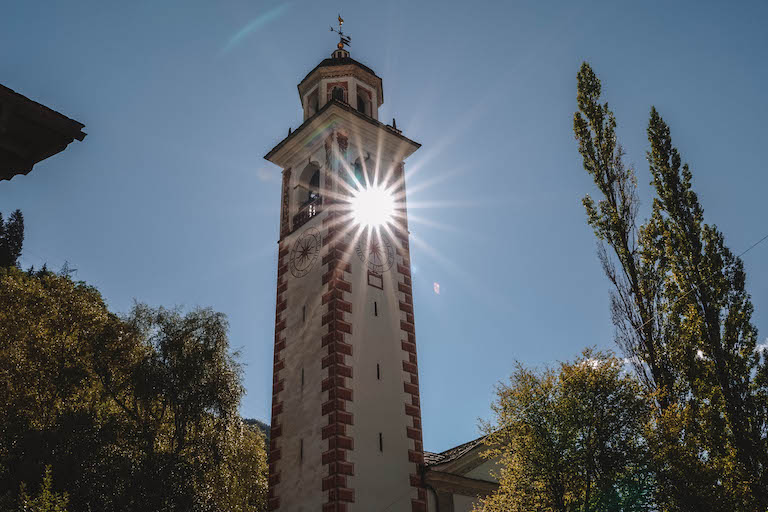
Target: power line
x=635 y=330
x=677 y=300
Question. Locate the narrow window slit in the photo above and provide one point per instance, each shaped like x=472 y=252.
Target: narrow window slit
x=378 y=371
x=375 y=308
x=301 y=450
x=381 y=442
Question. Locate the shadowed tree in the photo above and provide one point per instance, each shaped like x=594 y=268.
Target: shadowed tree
x=11 y=239
x=682 y=317
x=47 y=500
x=136 y=413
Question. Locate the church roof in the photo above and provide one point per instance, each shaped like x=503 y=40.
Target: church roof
x=433 y=459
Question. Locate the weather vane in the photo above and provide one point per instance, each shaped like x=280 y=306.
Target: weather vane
x=344 y=40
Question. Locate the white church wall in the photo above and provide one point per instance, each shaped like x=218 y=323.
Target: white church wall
x=463 y=503
x=379 y=403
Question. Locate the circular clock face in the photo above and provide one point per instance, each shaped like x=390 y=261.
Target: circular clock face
x=375 y=250
x=304 y=252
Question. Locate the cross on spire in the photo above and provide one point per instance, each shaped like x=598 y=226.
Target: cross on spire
x=344 y=40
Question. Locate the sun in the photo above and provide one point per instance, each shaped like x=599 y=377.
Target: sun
x=373 y=206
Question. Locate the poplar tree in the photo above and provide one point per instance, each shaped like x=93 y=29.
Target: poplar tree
x=682 y=317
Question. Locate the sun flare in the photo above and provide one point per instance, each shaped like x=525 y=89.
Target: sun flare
x=373 y=206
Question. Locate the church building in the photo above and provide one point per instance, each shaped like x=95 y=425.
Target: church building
x=346 y=431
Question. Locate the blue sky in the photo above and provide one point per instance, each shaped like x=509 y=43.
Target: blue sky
x=169 y=201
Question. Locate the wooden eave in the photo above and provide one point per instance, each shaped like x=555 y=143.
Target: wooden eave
x=31 y=132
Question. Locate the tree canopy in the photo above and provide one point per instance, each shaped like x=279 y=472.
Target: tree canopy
x=682 y=316
x=570 y=439
x=130 y=413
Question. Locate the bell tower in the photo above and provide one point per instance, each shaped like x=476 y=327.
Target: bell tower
x=346 y=418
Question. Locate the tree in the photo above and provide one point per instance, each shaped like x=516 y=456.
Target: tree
x=570 y=440
x=682 y=317
x=241 y=483
x=131 y=413
x=47 y=499
x=709 y=317
x=11 y=239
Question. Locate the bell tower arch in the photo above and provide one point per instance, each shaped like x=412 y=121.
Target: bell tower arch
x=346 y=416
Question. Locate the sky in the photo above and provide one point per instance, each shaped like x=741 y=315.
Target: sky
x=168 y=200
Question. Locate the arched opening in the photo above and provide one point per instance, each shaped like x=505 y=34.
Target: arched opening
x=314 y=186
x=312 y=103
x=308 y=197
x=337 y=93
x=364 y=101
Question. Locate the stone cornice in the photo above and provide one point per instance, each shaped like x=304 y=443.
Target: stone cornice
x=327 y=118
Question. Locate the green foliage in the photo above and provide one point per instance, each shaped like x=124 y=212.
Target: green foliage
x=258 y=425
x=570 y=439
x=47 y=499
x=11 y=239
x=241 y=483
x=682 y=316
x=134 y=413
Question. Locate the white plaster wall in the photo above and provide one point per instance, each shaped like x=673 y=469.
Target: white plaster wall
x=463 y=503
x=381 y=477
x=300 y=487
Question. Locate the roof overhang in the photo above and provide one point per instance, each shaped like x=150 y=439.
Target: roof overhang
x=31 y=132
x=447 y=472
x=336 y=114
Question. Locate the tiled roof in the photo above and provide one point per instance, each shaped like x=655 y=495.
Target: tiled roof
x=430 y=458
x=433 y=459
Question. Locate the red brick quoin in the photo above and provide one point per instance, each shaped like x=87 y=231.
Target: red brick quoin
x=337 y=317
x=408 y=345
x=273 y=501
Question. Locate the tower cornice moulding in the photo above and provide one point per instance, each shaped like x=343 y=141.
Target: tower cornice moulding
x=336 y=114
